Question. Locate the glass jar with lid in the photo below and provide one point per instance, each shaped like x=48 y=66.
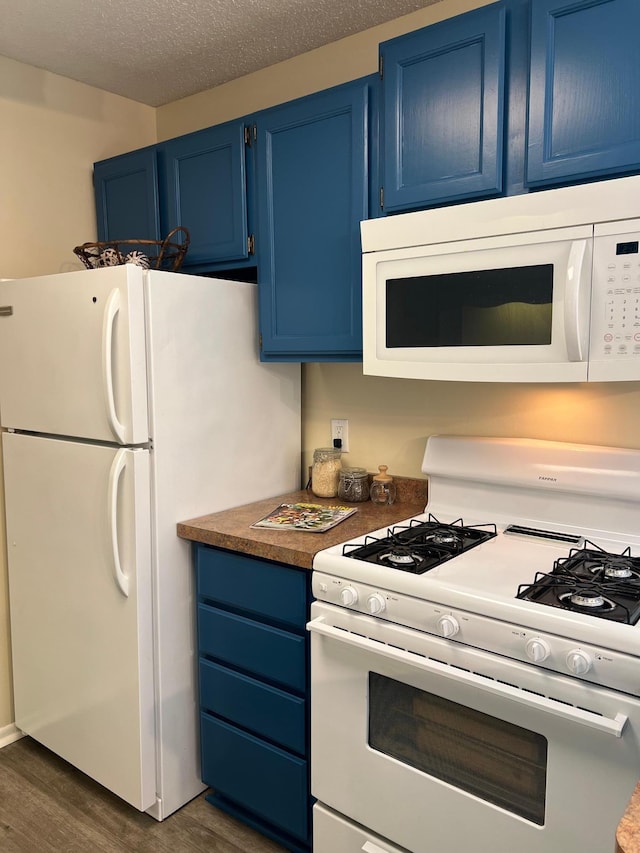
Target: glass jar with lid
x=325 y=471
x=383 y=489
x=353 y=485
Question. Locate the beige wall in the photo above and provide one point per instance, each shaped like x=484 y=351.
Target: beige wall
x=390 y=419
x=52 y=130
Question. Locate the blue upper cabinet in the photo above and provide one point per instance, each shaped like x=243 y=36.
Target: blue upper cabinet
x=203 y=180
x=443 y=110
x=126 y=194
x=312 y=186
x=584 y=102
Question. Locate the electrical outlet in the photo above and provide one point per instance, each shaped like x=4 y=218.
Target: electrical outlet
x=340 y=429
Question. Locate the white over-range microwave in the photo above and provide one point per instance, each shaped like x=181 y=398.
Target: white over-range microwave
x=541 y=287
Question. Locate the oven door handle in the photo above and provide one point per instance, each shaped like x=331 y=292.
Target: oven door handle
x=370 y=847
x=504 y=691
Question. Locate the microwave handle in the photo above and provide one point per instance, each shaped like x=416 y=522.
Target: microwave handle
x=575 y=329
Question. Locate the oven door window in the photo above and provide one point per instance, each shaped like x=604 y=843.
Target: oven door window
x=498 y=307
x=497 y=761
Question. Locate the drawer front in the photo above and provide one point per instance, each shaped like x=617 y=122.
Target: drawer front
x=264 y=710
x=254 y=647
x=261 y=778
x=265 y=589
x=333 y=832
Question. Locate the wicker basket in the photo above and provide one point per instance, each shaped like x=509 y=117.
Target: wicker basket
x=165 y=254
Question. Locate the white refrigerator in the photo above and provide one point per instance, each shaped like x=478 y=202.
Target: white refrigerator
x=129 y=400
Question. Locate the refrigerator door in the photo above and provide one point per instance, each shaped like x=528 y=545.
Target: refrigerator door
x=78 y=537
x=72 y=355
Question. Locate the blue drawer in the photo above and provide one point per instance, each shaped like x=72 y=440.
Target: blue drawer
x=264 y=710
x=254 y=647
x=265 y=589
x=261 y=778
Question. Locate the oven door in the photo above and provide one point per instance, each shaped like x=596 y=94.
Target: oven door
x=431 y=744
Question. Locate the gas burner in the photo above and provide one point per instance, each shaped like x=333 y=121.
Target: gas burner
x=588 y=599
x=591 y=581
x=616 y=568
x=398 y=558
x=444 y=537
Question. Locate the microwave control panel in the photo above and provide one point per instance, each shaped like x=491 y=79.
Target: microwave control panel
x=615 y=308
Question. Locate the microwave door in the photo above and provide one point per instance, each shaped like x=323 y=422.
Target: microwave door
x=513 y=309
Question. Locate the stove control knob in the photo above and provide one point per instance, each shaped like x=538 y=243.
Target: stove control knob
x=375 y=603
x=578 y=661
x=447 y=626
x=537 y=649
x=348 y=596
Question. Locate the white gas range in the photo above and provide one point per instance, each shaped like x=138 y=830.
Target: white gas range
x=476 y=669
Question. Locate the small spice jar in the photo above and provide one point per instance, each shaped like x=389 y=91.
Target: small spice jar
x=353 y=485
x=325 y=471
x=383 y=489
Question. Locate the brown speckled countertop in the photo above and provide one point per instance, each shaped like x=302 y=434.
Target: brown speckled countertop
x=231 y=528
x=628 y=834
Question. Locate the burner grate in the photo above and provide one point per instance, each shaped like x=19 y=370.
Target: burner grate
x=590 y=580
x=418 y=546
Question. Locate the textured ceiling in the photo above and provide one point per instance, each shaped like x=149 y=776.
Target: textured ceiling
x=156 y=51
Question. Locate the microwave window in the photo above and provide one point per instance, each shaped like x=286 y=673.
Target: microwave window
x=483 y=308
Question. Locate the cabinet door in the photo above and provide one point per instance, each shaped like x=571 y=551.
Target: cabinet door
x=126 y=193
x=584 y=100
x=204 y=189
x=312 y=164
x=443 y=105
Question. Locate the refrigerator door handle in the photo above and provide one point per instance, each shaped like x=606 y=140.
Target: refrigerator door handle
x=110 y=314
x=117 y=467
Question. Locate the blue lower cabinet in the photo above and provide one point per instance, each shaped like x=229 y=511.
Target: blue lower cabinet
x=254 y=692
x=263 y=779
x=241 y=583
x=277 y=656
x=261 y=709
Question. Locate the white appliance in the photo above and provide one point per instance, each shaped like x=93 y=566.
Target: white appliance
x=475 y=670
x=540 y=287
x=129 y=401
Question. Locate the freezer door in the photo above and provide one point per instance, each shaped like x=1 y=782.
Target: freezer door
x=72 y=355
x=78 y=535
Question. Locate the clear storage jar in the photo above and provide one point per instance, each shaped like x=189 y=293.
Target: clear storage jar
x=383 y=489
x=353 y=485
x=325 y=471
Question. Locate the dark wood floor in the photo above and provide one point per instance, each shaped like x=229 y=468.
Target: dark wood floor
x=47 y=806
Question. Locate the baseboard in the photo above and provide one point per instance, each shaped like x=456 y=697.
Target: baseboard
x=9 y=734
